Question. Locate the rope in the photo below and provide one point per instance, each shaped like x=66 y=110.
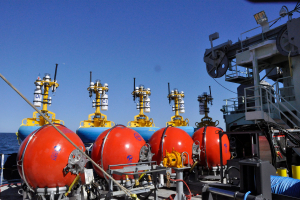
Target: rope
x=285 y=186
x=127 y=192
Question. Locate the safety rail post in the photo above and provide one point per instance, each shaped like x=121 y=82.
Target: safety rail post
x=245 y=94
x=261 y=102
x=2 y=165
x=286 y=108
x=268 y=103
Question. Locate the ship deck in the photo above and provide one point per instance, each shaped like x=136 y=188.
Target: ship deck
x=10 y=191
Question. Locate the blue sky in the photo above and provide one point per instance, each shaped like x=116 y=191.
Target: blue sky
x=155 y=41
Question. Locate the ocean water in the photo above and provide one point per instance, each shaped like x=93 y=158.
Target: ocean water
x=8 y=143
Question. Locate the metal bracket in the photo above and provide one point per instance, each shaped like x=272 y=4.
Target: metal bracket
x=196 y=151
x=76 y=162
x=145 y=153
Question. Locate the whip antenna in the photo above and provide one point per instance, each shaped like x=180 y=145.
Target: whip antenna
x=55 y=72
x=210 y=94
x=90 y=91
x=133 y=89
x=169 y=93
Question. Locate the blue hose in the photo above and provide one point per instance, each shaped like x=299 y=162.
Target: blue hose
x=247 y=193
x=285 y=186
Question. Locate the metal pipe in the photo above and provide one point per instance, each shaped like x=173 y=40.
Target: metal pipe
x=179 y=184
x=221 y=156
x=221 y=192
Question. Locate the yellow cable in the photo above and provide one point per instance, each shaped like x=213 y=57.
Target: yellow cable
x=134 y=196
x=141 y=176
x=193 y=166
x=73 y=183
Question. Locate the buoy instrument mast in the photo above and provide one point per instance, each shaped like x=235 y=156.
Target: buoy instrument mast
x=41 y=99
x=204 y=100
x=143 y=105
x=178 y=107
x=98 y=119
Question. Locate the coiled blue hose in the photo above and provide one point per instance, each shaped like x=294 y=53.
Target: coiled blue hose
x=285 y=186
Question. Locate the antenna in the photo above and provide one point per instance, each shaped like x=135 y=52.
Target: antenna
x=133 y=89
x=55 y=72
x=90 y=92
x=53 y=87
x=169 y=93
x=90 y=76
x=210 y=95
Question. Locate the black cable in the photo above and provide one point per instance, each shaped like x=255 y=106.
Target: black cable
x=297 y=5
x=275 y=22
x=225 y=87
x=268 y=136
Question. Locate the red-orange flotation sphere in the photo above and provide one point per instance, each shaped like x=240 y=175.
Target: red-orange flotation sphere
x=46 y=155
x=175 y=138
x=121 y=146
x=208 y=138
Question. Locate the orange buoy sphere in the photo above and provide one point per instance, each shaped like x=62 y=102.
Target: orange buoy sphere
x=46 y=155
x=175 y=138
x=208 y=138
x=118 y=145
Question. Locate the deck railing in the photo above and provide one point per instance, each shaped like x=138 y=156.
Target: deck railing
x=268 y=100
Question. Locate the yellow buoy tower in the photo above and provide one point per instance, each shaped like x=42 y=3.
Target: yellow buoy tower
x=142 y=124
x=97 y=122
x=41 y=98
x=178 y=107
x=204 y=100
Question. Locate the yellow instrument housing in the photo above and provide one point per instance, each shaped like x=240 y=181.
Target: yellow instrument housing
x=172 y=159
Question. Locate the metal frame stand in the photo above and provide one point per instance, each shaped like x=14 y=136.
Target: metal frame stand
x=135 y=169
x=179 y=184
